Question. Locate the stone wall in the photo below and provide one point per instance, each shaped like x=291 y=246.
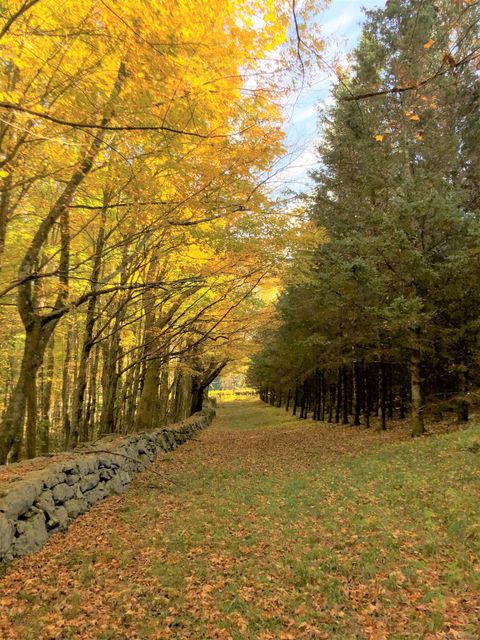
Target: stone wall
x=45 y=501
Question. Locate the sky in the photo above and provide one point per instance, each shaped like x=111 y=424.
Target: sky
x=341 y=26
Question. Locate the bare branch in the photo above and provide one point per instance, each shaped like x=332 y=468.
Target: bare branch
x=9 y=106
x=25 y=7
x=417 y=85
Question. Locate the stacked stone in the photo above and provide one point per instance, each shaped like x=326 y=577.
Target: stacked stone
x=47 y=500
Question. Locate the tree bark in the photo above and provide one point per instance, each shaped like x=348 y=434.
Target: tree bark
x=11 y=434
x=87 y=342
x=417 y=418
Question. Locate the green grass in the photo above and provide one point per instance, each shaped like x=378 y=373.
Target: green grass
x=248 y=415
x=256 y=542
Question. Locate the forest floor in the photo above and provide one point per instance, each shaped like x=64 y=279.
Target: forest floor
x=272 y=528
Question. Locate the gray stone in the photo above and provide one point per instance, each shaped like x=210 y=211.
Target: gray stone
x=106 y=474
x=106 y=460
x=53 y=475
x=19 y=500
x=36 y=478
x=144 y=459
x=72 y=478
x=6 y=536
x=124 y=476
x=68 y=466
x=45 y=502
x=142 y=446
x=89 y=481
x=33 y=536
x=20 y=526
x=115 y=486
x=87 y=464
x=75 y=507
x=59 y=519
x=62 y=492
x=162 y=442
x=96 y=494
x=30 y=506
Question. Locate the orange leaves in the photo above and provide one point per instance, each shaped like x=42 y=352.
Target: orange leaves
x=412 y=116
x=428 y=44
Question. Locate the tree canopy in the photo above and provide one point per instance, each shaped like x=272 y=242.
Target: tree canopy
x=136 y=145
x=384 y=313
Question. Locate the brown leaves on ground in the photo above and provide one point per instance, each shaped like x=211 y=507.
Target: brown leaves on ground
x=277 y=529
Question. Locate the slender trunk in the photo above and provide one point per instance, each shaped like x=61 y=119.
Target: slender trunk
x=295 y=402
x=403 y=401
x=109 y=383
x=31 y=426
x=346 y=388
x=163 y=393
x=87 y=342
x=66 y=386
x=357 y=372
x=391 y=395
x=324 y=397
x=463 y=405
x=331 y=402
x=88 y=424
x=383 y=394
x=4 y=210
x=338 y=408
x=46 y=402
x=417 y=419
x=368 y=396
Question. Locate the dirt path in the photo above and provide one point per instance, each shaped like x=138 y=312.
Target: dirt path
x=274 y=528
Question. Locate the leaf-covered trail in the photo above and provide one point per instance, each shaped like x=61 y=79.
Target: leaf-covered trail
x=274 y=529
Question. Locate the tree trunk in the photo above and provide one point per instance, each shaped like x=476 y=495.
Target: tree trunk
x=357 y=372
x=368 y=396
x=87 y=342
x=46 y=400
x=338 y=408
x=88 y=424
x=417 y=419
x=331 y=402
x=463 y=405
x=346 y=388
x=383 y=394
x=11 y=434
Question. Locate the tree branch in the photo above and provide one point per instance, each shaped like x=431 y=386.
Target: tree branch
x=412 y=87
x=110 y=127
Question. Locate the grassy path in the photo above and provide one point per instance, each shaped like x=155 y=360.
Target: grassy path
x=274 y=529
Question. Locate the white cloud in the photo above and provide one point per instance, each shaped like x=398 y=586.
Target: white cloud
x=341 y=22
x=304 y=114
x=295 y=171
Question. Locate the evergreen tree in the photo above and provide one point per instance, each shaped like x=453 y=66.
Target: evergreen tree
x=394 y=291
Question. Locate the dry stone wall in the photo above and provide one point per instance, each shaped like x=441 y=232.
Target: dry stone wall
x=46 y=501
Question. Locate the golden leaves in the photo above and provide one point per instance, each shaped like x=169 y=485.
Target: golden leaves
x=379 y=137
x=412 y=116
